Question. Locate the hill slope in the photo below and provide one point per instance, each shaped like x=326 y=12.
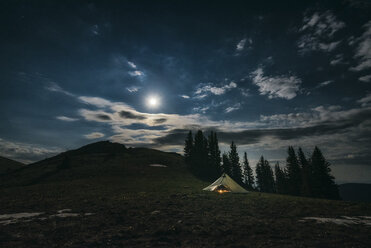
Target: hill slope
x=118 y=200
x=8 y=165
x=355 y=192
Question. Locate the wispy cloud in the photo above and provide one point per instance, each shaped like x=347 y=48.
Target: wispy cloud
x=185 y=96
x=94 y=135
x=203 y=90
x=363 y=50
x=54 y=87
x=241 y=45
x=366 y=78
x=25 y=152
x=133 y=89
x=282 y=86
x=95 y=101
x=365 y=101
x=319 y=30
x=65 y=118
x=325 y=83
x=132 y=65
x=235 y=107
x=136 y=73
x=339 y=59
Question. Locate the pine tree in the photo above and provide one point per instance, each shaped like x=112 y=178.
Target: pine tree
x=200 y=159
x=214 y=155
x=264 y=176
x=293 y=172
x=188 y=148
x=323 y=182
x=235 y=164
x=280 y=179
x=226 y=166
x=259 y=174
x=306 y=174
x=247 y=173
x=269 y=179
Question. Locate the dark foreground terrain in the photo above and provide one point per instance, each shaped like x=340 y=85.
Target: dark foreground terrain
x=115 y=199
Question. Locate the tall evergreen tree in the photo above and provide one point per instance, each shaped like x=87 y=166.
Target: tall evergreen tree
x=323 y=182
x=188 y=148
x=259 y=174
x=235 y=163
x=293 y=172
x=247 y=173
x=214 y=155
x=200 y=159
x=226 y=166
x=306 y=174
x=264 y=176
x=269 y=179
x=280 y=179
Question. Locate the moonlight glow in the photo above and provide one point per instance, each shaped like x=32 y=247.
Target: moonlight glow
x=153 y=101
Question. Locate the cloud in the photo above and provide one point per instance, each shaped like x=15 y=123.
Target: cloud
x=65 y=118
x=282 y=86
x=337 y=60
x=365 y=101
x=366 y=78
x=245 y=92
x=133 y=89
x=54 y=87
x=131 y=115
x=95 y=30
x=132 y=65
x=325 y=83
x=233 y=108
x=201 y=109
x=136 y=73
x=319 y=29
x=95 y=101
x=26 y=152
x=185 y=96
x=94 y=135
x=363 y=50
x=240 y=45
x=202 y=91
x=103 y=117
x=160 y=121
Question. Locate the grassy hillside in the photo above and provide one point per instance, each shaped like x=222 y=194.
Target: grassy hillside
x=8 y=165
x=135 y=205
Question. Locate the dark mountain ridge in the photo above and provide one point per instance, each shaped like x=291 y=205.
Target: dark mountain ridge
x=355 y=192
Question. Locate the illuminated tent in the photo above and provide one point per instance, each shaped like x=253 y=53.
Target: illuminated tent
x=225 y=184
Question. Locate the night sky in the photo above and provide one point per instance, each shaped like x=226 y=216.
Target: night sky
x=265 y=75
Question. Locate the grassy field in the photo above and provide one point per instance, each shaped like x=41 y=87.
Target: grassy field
x=135 y=205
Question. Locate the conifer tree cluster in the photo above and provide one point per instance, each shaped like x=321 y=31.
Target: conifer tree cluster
x=204 y=159
x=202 y=155
x=301 y=176
x=306 y=177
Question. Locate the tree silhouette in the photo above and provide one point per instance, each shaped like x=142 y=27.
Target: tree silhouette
x=188 y=148
x=293 y=172
x=247 y=173
x=323 y=182
x=264 y=176
x=280 y=179
x=235 y=164
x=306 y=174
x=214 y=155
x=226 y=166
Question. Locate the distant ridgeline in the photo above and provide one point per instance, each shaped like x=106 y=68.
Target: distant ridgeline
x=301 y=176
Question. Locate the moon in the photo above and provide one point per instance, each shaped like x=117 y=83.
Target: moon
x=153 y=101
